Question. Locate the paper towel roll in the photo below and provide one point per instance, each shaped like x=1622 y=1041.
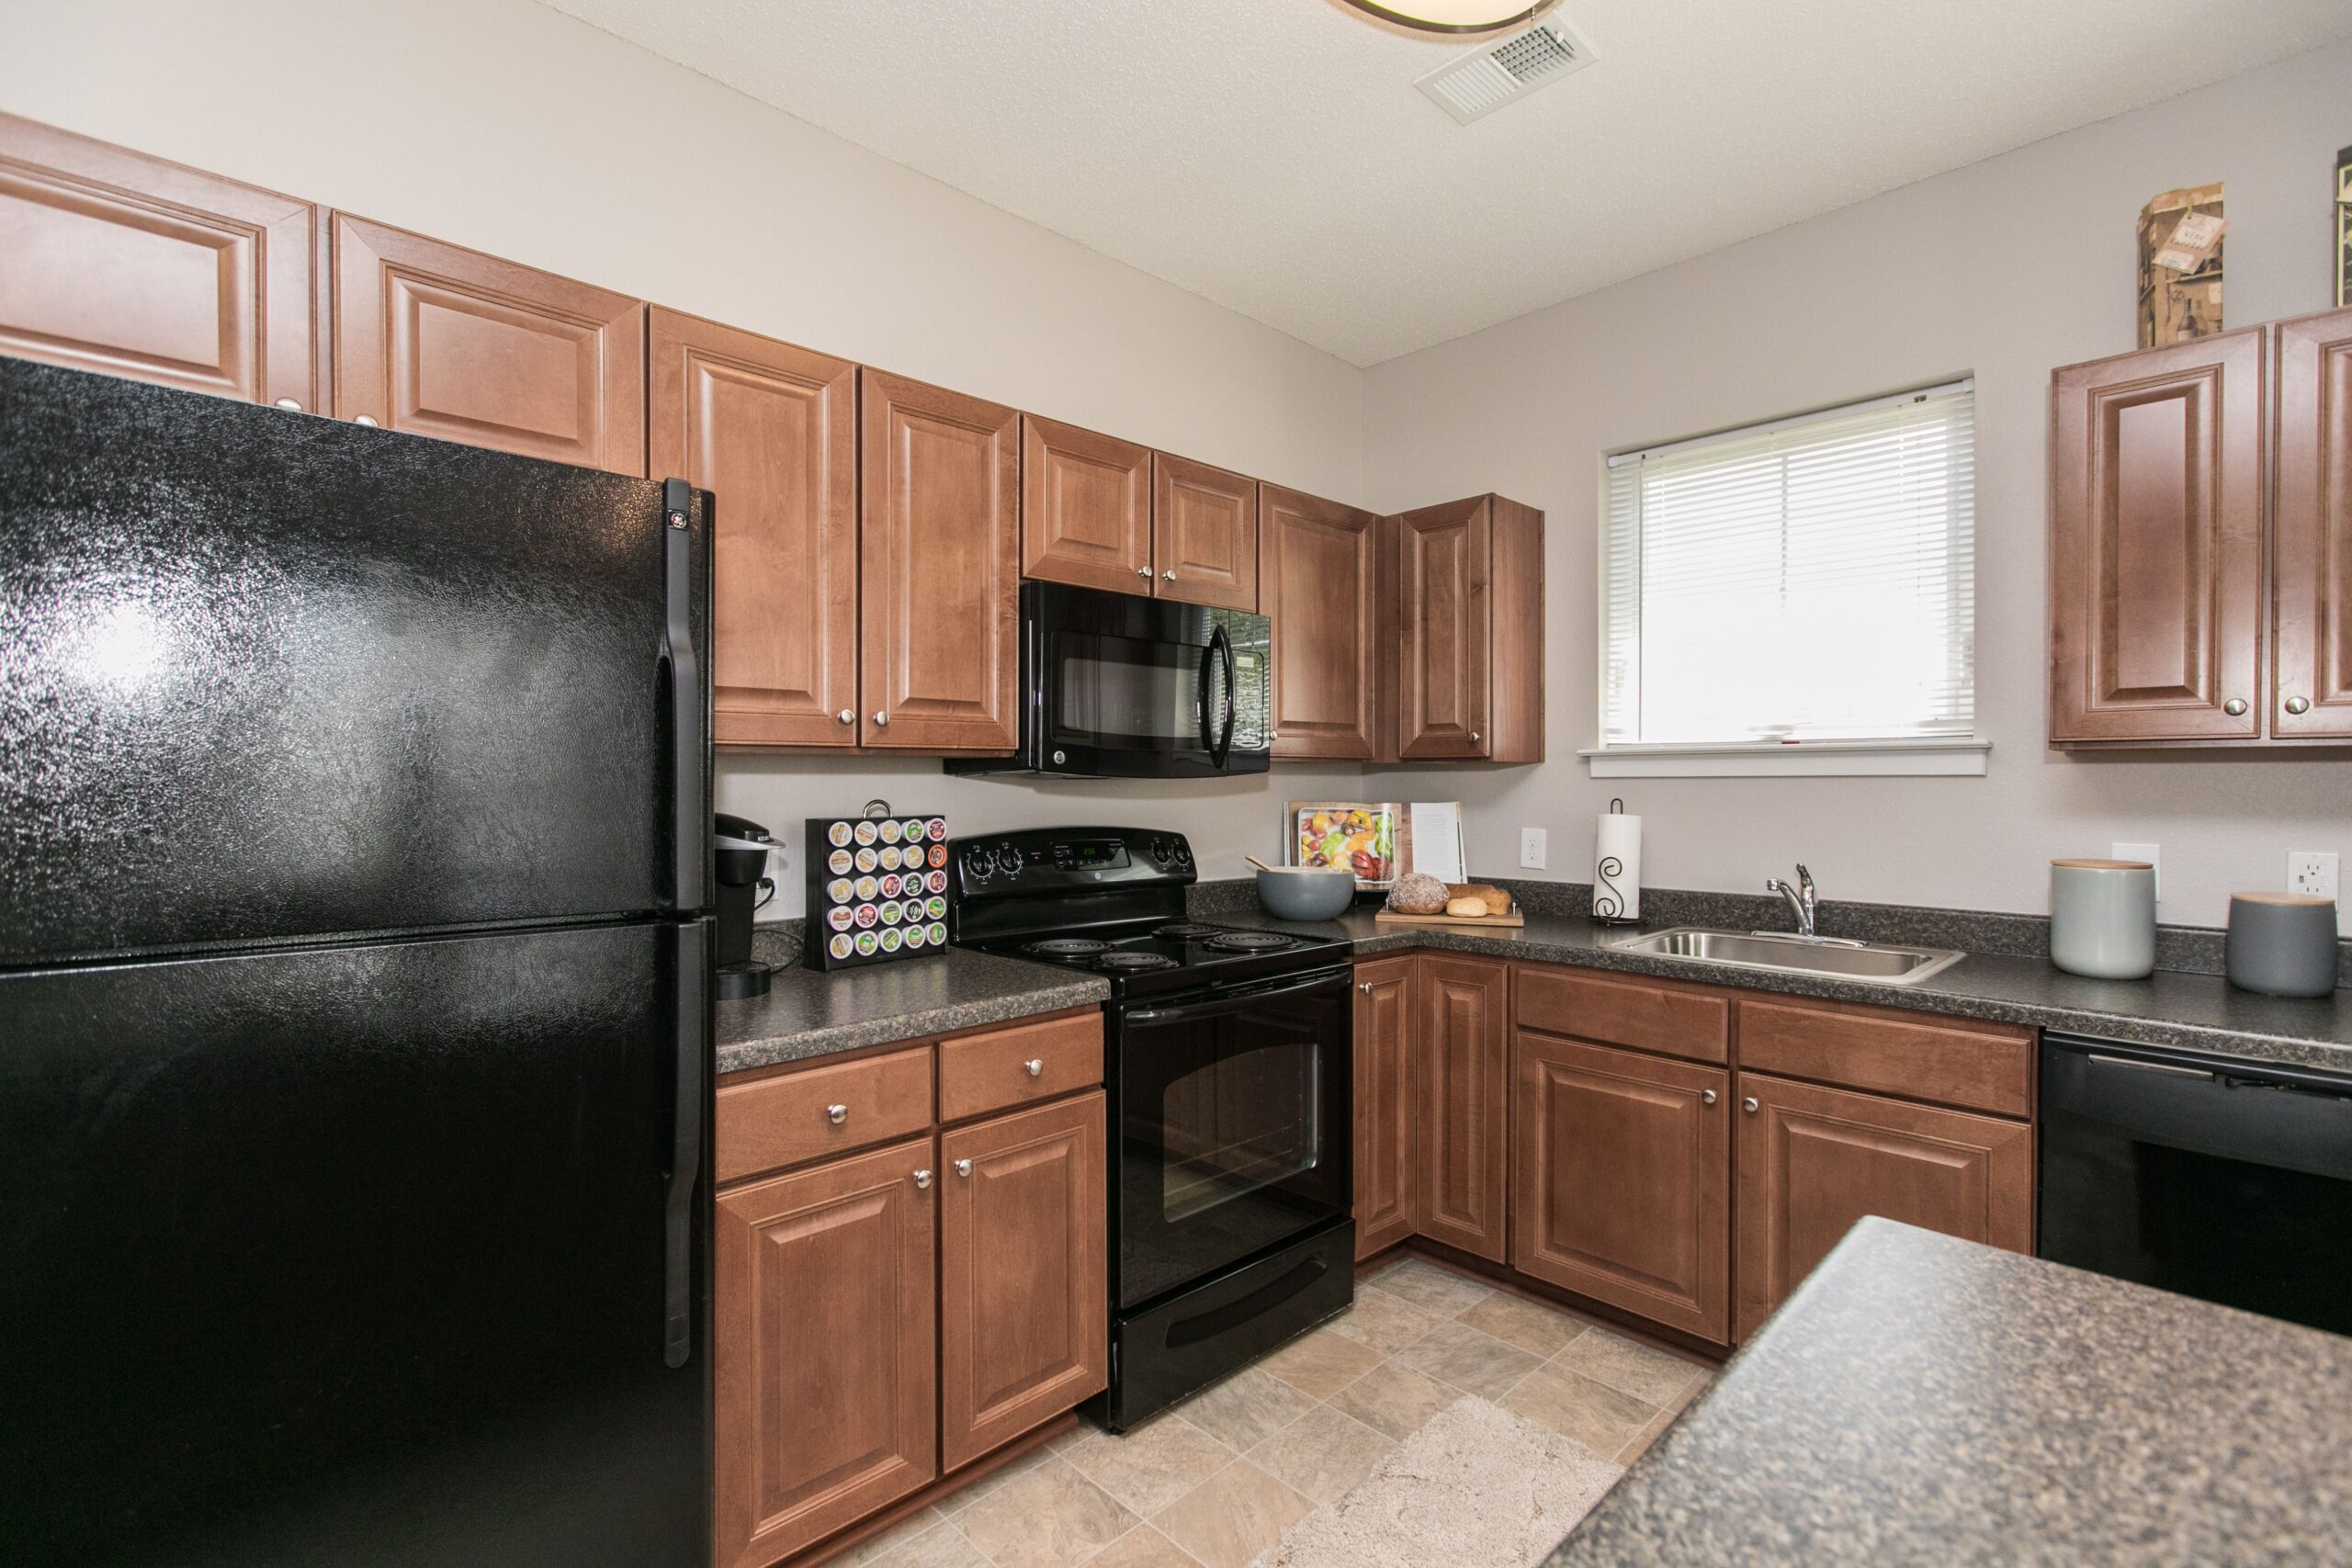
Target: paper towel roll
x=1617 y=867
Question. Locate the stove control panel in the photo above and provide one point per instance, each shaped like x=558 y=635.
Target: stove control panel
x=1045 y=860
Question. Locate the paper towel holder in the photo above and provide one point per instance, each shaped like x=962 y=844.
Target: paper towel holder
x=1609 y=897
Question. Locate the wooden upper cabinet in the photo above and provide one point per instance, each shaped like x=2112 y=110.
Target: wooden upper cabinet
x=938 y=575
x=2312 y=546
x=2155 y=544
x=1384 y=1112
x=437 y=340
x=1025 y=1293
x=1085 y=507
x=1470 y=628
x=1204 y=534
x=118 y=263
x=1621 y=1187
x=1461 y=1079
x=823 y=1306
x=1811 y=1161
x=771 y=430
x=1321 y=577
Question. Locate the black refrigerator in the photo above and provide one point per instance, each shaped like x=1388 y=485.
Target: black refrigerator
x=355 y=1045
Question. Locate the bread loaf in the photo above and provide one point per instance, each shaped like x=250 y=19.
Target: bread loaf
x=1466 y=908
x=1417 y=894
x=1498 y=901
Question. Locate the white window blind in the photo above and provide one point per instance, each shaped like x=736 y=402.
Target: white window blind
x=1808 y=579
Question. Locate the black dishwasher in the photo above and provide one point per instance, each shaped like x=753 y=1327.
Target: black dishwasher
x=2220 y=1178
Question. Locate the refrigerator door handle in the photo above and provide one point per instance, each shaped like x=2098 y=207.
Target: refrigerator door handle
x=689 y=748
x=693 y=1032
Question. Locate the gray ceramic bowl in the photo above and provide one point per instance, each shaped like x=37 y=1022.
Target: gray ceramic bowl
x=1306 y=893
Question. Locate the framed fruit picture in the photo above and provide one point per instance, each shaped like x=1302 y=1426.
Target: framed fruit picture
x=1365 y=837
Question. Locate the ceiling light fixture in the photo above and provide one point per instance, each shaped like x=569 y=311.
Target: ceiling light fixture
x=1454 y=15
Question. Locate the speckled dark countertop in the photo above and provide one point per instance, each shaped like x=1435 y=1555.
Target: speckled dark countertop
x=2191 y=1012
x=809 y=1013
x=1925 y=1400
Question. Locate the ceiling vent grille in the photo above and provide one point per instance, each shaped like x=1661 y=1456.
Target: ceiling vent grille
x=1494 y=74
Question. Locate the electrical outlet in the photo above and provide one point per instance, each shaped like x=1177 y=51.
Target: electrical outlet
x=1530 y=852
x=2148 y=852
x=2311 y=872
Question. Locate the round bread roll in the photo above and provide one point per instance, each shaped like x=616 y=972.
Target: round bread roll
x=1417 y=894
x=1466 y=908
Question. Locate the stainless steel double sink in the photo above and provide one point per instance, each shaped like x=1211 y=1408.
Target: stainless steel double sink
x=1828 y=958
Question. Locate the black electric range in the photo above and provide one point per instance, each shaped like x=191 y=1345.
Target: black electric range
x=1227 y=1072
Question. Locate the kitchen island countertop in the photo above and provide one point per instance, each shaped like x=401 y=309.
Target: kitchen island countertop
x=1926 y=1400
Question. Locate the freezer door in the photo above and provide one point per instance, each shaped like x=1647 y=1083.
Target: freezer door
x=268 y=676
x=359 y=1255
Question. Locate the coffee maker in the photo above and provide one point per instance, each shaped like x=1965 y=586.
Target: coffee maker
x=741 y=856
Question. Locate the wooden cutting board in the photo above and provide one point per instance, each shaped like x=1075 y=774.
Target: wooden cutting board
x=1391 y=918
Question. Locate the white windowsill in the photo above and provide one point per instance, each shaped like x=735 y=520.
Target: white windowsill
x=1958 y=757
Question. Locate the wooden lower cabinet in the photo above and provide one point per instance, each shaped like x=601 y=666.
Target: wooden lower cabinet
x=1621 y=1181
x=824 y=1339
x=1461 y=1082
x=1812 y=1160
x=1023 y=1295
x=1384 y=1109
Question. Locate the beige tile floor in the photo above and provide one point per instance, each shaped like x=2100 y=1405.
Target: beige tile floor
x=1216 y=1481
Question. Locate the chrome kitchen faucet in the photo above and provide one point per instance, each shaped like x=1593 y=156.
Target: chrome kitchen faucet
x=1801 y=897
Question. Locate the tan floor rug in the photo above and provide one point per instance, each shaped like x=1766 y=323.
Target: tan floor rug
x=1477 y=1488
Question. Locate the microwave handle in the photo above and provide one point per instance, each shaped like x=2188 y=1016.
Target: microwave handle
x=1222 y=646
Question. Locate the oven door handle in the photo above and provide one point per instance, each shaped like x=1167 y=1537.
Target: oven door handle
x=1227 y=1001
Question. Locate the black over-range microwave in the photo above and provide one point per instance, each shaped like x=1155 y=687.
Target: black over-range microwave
x=1117 y=686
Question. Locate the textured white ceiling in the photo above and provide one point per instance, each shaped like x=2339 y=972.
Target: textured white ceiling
x=1273 y=156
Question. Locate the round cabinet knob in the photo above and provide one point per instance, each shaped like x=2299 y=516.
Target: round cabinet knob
x=922 y=1179
x=2298 y=705
x=847 y=716
x=837 y=1115
x=1144 y=572
x=1473 y=738
x=1034 y=1067
x=881 y=720
x=1706 y=1097
x=1167 y=577
x=2234 y=707
x=962 y=1168
x=1748 y=1105
x=1366 y=986
x=363 y=419
x=294 y=403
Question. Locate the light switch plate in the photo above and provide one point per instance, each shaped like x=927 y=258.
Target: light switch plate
x=2311 y=872
x=1530 y=849
x=2141 y=851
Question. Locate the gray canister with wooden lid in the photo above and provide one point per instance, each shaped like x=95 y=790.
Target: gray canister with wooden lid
x=2281 y=944
x=2103 y=917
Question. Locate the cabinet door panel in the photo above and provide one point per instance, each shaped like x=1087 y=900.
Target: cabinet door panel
x=772 y=431
x=822 y=1351
x=1085 y=507
x=1319 y=580
x=2311 y=568
x=2155 y=540
x=1025 y=1303
x=938 y=575
x=437 y=340
x=1624 y=1180
x=1446 y=630
x=130 y=265
x=1204 y=534
x=1812 y=1161
x=1461 y=1078
x=1383 y=1026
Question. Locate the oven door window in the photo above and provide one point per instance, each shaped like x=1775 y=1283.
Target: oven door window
x=1233 y=1132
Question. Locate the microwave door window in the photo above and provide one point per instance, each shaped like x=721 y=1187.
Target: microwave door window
x=1122 y=695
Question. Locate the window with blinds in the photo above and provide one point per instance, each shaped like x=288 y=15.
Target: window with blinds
x=1808 y=579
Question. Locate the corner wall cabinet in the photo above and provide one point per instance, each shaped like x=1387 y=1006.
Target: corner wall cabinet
x=1470 y=632
x=1323 y=577
x=2165 y=628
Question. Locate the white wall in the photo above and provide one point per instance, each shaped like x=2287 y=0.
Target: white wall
x=505 y=126
x=2005 y=268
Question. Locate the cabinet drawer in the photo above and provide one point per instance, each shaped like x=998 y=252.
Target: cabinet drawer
x=1982 y=1067
x=1648 y=1015
x=782 y=1120
x=981 y=1073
